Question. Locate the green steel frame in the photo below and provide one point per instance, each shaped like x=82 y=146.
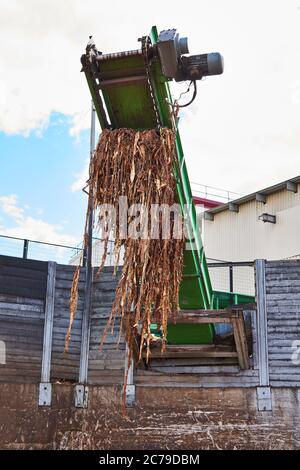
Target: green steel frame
x=129 y=104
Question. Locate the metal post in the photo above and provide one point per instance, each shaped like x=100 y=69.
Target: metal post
x=264 y=398
x=25 y=249
x=231 y=278
x=45 y=385
x=81 y=392
x=130 y=386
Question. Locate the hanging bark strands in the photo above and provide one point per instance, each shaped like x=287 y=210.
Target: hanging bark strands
x=133 y=173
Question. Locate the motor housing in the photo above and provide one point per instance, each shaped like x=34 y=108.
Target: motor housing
x=176 y=65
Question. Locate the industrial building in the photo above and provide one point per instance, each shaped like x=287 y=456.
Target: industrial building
x=254 y=226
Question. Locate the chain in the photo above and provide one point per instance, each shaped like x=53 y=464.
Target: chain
x=145 y=40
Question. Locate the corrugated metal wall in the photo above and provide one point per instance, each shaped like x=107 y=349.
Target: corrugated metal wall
x=241 y=236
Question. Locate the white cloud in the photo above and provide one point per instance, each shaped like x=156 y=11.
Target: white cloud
x=8 y=204
x=81 y=178
x=242 y=132
x=29 y=227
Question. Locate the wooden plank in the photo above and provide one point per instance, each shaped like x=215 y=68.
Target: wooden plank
x=68 y=268
x=195 y=319
x=193 y=361
x=280 y=290
x=7 y=371
x=274 y=344
x=210 y=314
x=30 y=292
x=282 y=263
x=23 y=263
x=67 y=285
x=196 y=380
x=285 y=377
x=279 y=277
x=22 y=272
x=198 y=353
x=20 y=301
x=284 y=321
x=19 y=322
x=196 y=369
x=23 y=355
x=284 y=365
x=25 y=314
x=288 y=297
x=279 y=384
x=278 y=337
x=21 y=336
x=241 y=341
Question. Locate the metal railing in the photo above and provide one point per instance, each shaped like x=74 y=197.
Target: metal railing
x=225 y=276
x=38 y=250
x=212 y=192
x=233 y=276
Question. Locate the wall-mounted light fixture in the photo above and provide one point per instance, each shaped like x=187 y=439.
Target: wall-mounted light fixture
x=268 y=218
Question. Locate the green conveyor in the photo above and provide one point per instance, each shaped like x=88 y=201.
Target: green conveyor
x=121 y=93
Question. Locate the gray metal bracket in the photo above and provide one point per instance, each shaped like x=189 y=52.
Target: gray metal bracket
x=264 y=398
x=45 y=393
x=130 y=395
x=45 y=386
x=81 y=396
x=130 y=387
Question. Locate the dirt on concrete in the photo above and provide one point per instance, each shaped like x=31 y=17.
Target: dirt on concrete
x=163 y=418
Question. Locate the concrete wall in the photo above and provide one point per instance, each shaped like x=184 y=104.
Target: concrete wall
x=163 y=418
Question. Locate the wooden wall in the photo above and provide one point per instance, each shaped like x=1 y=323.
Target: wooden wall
x=22 y=293
x=283 y=314
x=105 y=366
x=202 y=372
x=22 y=315
x=23 y=290
x=65 y=366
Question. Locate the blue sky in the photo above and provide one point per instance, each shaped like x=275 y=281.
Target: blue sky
x=40 y=170
x=241 y=133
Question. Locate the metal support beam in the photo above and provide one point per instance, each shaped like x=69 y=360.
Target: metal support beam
x=231 y=278
x=45 y=385
x=81 y=390
x=130 y=387
x=208 y=216
x=233 y=207
x=81 y=396
x=264 y=398
x=261 y=198
x=290 y=186
x=25 y=249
